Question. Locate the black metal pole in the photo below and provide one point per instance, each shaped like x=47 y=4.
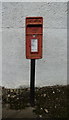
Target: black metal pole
x=32 y=82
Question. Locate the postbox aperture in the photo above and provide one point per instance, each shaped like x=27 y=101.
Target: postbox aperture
x=34 y=33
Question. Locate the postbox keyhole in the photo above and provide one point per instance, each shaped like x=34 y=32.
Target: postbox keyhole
x=34 y=36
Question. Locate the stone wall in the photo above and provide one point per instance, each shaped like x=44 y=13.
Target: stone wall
x=52 y=68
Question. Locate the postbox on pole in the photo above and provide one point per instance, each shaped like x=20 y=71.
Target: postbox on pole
x=34 y=33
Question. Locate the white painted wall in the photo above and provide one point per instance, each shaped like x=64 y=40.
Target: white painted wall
x=52 y=68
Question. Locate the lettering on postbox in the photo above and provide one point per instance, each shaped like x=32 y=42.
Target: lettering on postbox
x=34 y=34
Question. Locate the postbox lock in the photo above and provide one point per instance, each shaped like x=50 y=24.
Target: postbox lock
x=34 y=35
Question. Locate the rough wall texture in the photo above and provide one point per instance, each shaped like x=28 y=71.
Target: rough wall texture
x=52 y=69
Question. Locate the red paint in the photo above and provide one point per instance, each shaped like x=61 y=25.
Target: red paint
x=34 y=26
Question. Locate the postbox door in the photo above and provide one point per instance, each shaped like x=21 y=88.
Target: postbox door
x=34 y=47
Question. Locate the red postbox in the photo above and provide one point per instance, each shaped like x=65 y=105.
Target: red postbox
x=34 y=33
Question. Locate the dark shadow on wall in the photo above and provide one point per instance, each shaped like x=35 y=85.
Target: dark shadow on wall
x=68 y=43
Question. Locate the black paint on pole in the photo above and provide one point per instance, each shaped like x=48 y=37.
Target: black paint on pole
x=32 y=82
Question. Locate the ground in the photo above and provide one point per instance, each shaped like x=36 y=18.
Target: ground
x=50 y=102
